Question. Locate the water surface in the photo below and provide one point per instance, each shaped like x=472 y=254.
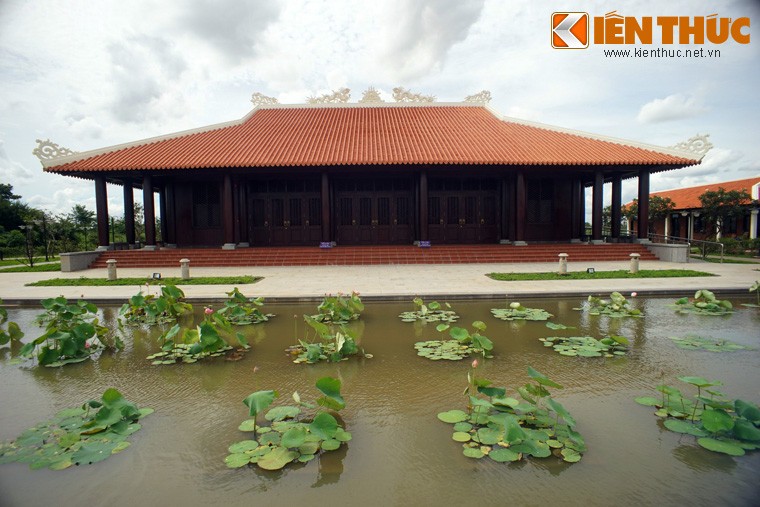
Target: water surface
x=400 y=454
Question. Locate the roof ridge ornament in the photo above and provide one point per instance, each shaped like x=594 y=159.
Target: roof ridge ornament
x=698 y=144
x=483 y=97
x=401 y=94
x=339 y=96
x=259 y=99
x=48 y=150
x=371 y=96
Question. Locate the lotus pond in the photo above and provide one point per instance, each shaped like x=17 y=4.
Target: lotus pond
x=400 y=452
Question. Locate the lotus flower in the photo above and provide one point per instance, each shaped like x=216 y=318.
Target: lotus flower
x=633 y=294
x=474 y=363
x=208 y=311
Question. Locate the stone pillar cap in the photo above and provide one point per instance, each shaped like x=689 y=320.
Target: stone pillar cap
x=111 y=261
x=635 y=255
x=563 y=255
x=184 y=260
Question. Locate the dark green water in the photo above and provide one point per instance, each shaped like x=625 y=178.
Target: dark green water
x=400 y=454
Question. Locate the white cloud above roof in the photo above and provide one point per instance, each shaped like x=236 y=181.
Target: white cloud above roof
x=673 y=107
x=92 y=74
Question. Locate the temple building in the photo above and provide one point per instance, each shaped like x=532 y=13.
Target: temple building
x=369 y=173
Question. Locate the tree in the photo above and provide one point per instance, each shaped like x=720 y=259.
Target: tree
x=83 y=220
x=720 y=205
x=659 y=207
x=12 y=210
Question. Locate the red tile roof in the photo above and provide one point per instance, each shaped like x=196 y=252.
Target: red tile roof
x=280 y=136
x=688 y=198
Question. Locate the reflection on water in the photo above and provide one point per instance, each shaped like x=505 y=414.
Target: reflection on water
x=400 y=453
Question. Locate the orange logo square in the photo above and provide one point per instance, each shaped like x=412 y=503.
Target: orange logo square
x=569 y=30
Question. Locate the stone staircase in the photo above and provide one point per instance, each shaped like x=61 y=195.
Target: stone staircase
x=365 y=255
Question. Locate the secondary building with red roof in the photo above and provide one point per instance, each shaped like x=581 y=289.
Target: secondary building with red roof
x=367 y=173
x=686 y=220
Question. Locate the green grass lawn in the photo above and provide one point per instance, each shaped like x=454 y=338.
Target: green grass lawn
x=726 y=260
x=98 y=282
x=38 y=268
x=599 y=275
x=21 y=261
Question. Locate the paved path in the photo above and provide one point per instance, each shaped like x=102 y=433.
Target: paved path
x=395 y=281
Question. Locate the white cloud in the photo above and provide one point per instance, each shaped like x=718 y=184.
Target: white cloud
x=673 y=107
x=10 y=170
x=419 y=34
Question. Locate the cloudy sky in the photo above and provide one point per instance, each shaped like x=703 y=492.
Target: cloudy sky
x=89 y=74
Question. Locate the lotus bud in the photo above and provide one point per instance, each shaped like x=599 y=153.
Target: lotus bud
x=514 y=305
x=475 y=363
x=208 y=311
x=634 y=294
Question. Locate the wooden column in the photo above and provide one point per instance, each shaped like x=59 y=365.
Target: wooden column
x=242 y=196
x=171 y=217
x=423 y=214
x=643 y=219
x=101 y=210
x=325 y=198
x=236 y=211
x=617 y=202
x=597 y=204
x=129 y=212
x=520 y=208
x=228 y=213
x=576 y=195
x=162 y=213
x=505 y=234
x=150 y=212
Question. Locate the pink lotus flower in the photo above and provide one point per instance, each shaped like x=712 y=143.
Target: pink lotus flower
x=634 y=294
x=208 y=311
x=475 y=363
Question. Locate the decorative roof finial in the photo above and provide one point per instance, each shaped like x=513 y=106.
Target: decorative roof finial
x=48 y=150
x=698 y=144
x=259 y=99
x=403 y=95
x=371 y=95
x=483 y=96
x=336 y=97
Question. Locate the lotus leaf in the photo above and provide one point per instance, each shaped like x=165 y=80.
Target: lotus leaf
x=748 y=411
x=488 y=436
x=503 y=455
x=453 y=416
x=570 y=455
x=431 y=312
x=309 y=448
x=305 y=458
x=473 y=452
x=243 y=446
x=324 y=426
x=277 y=458
x=616 y=306
x=521 y=313
x=681 y=426
x=716 y=421
x=330 y=444
x=703 y=303
x=330 y=387
x=746 y=431
x=461 y=436
x=342 y=435
x=691 y=342
x=721 y=446
x=558 y=326
x=248 y=425
x=281 y=413
x=462 y=427
x=237 y=460
x=270 y=438
x=294 y=437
